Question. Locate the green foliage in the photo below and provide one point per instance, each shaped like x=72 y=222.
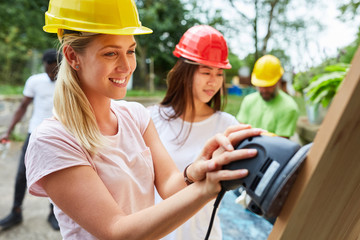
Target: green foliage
x=14 y=137
x=302 y=79
x=169 y=20
x=323 y=87
x=7 y=89
x=236 y=64
x=273 y=23
x=21 y=24
x=345 y=56
x=145 y=93
x=233 y=104
x=301 y=104
x=349 y=9
x=347 y=53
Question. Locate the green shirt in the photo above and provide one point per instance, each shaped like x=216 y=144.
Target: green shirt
x=279 y=115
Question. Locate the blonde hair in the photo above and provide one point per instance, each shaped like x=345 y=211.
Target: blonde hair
x=71 y=106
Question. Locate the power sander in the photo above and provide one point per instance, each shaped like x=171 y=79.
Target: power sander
x=272 y=173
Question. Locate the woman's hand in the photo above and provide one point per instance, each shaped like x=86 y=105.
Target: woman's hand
x=218 y=152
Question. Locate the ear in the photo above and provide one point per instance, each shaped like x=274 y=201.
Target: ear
x=71 y=57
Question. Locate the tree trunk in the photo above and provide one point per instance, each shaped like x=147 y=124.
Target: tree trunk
x=269 y=32
x=142 y=68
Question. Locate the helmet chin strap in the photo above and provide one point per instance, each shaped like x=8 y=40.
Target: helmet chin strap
x=60 y=34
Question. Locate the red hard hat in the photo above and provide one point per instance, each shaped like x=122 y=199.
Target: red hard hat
x=205 y=45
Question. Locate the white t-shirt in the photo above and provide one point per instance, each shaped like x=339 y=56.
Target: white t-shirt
x=41 y=89
x=125 y=165
x=196 y=227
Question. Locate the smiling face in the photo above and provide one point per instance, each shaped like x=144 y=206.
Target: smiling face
x=207 y=82
x=105 y=68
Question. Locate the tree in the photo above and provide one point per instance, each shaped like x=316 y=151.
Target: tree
x=21 y=32
x=273 y=24
x=169 y=20
x=349 y=10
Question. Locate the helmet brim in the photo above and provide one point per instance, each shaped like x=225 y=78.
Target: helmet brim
x=263 y=83
x=224 y=65
x=123 y=31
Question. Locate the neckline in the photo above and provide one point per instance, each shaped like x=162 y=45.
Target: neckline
x=117 y=119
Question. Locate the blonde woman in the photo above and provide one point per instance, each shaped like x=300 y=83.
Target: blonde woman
x=98 y=160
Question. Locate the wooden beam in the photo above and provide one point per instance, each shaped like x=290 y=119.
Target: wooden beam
x=324 y=202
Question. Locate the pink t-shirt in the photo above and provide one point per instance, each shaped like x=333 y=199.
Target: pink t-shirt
x=125 y=165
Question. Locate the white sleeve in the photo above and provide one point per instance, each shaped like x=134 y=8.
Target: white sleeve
x=29 y=89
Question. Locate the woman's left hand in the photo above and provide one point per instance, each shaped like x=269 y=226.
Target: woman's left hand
x=219 y=151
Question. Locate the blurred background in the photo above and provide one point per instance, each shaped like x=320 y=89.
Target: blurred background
x=314 y=39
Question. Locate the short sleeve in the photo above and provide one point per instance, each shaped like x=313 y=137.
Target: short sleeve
x=142 y=116
x=29 y=88
x=51 y=149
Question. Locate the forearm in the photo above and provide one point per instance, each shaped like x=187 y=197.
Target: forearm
x=20 y=112
x=174 y=184
x=17 y=117
x=161 y=219
x=90 y=204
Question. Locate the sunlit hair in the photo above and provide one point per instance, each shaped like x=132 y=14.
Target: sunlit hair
x=179 y=94
x=71 y=107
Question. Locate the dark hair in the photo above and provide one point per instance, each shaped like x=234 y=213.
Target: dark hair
x=179 y=93
x=51 y=56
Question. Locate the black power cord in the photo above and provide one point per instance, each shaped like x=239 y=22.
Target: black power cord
x=216 y=205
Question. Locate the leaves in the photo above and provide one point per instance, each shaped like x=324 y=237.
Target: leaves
x=324 y=86
x=21 y=24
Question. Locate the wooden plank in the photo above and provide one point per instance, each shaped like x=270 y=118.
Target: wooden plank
x=325 y=200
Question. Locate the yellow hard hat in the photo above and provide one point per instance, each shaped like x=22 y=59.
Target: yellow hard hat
x=267 y=71
x=117 y=17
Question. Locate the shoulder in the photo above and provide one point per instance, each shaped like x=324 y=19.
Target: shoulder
x=132 y=111
x=153 y=109
x=160 y=116
x=227 y=117
x=52 y=129
x=130 y=107
x=51 y=148
x=157 y=111
x=251 y=97
x=35 y=83
x=38 y=78
x=288 y=100
x=52 y=136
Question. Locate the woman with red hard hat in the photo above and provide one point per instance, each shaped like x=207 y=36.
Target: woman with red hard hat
x=190 y=112
x=99 y=160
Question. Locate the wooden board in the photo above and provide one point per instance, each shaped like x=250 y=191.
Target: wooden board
x=324 y=203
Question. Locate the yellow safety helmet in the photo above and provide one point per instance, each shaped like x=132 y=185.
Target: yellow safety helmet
x=267 y=71
x=117 y=17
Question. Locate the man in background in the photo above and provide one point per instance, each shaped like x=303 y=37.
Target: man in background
x=269 y=108
x=39 y=90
